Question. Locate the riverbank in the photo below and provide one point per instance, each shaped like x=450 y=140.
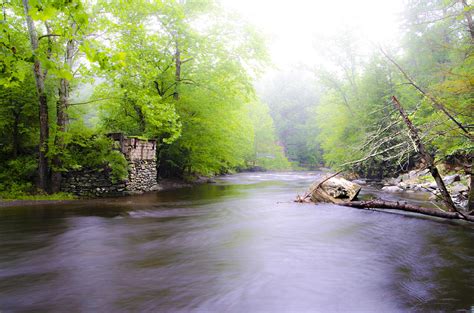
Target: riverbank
x=422 y=181
x=164 y=184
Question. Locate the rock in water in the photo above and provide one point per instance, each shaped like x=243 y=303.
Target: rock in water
x=334 y=190
x=392 y=189
x=448 y=180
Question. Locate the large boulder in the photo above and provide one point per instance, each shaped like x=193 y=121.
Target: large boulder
x=334 y=190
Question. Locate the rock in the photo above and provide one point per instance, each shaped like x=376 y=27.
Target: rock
x=433 y=185
x=458 y=188
x=404 y=177
x=424 y=172
x=401 y=185
x=418 y=188
x=448 y=180
x=392 y=189
x=359 y=181
x=334 y=190
x=425 y=186
x=155 y=188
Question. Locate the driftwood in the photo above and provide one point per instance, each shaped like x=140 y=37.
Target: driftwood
x=307 y=197
x=317 y=193
x=403 y=206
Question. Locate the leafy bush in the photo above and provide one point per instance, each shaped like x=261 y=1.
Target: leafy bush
x=17 y=176
x=84 y=149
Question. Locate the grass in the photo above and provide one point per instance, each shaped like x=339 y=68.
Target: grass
x=9 y=196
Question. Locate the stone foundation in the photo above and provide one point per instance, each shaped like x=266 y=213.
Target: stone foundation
x=92 y=183
x=142 y=174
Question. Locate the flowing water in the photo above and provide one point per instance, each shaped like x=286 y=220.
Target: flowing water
x=239 y=245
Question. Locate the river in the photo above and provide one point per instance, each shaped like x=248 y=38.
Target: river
x=239 y=245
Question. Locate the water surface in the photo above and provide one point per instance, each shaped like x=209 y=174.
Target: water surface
x=239 y=245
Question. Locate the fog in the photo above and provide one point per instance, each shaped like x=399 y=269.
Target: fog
x=296 y=29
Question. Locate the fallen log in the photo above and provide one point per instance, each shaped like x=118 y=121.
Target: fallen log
x=403 y=206
x=343 y=194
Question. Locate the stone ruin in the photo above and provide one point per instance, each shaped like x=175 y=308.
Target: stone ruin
x=142 y=173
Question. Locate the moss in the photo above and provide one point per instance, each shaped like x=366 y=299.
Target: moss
x=425 y=179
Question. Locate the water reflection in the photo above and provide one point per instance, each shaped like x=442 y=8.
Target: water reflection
x=236 y=246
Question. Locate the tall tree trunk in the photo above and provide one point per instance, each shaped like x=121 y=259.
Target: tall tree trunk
x=468 y=15
x=16 y=111
x=428 y=159
x=469 y=170
x=470 y=199
x=177 y=56
x=43 y=167
x=141 y=118
x=16 y=132
x=61 y=119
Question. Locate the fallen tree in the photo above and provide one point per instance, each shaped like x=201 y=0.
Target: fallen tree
x=343 y=192
x=403 y=206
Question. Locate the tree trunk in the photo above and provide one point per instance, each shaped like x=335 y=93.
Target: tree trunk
x=428 y=159
x=61 y=119
x=16 y=132
x=177 y=57
x=380 y=204
x=323 y=196
x=469 y=171
x=43 y=167
x=467 y=14
x=16 y=111
x=141 y=118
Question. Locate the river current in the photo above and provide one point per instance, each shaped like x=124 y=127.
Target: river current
x=239 y=245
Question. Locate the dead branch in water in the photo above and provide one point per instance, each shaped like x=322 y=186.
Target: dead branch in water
x=323 y=196
x=403 y=206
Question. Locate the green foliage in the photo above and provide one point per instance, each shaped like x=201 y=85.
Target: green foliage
x=267 y=153
x=86 y=149
x=197 y=111
x=356 y=119
x=17 y=175
x=178 y=71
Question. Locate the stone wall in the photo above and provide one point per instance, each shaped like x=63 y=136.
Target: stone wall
x=92 y=183
x=142 y=174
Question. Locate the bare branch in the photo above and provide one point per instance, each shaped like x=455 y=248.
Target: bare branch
x=435 y=102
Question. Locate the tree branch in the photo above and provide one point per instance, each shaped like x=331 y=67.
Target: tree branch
x=48 y=35
x=435 y=102
x=95 y=100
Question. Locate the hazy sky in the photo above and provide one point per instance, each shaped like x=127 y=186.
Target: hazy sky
x=293 y=26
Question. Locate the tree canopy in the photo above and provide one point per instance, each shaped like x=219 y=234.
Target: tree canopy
x=178 y=71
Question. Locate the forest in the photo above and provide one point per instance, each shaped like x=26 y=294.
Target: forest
x=191 y=75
